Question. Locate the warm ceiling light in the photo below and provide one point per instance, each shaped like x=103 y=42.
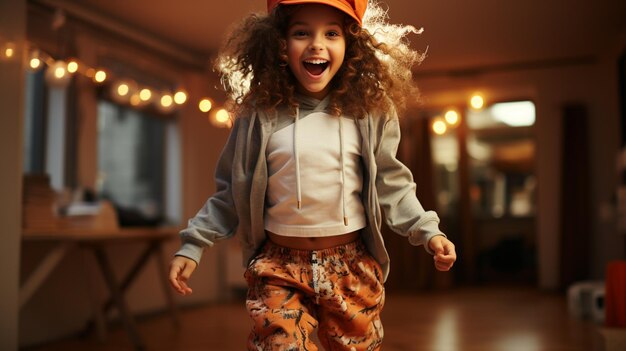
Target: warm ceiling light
x=452 y=117
x=123 y=89
x=166 y=100
x=72 y=67
x=477 y=101
x=56 y=74
x=9 y=50
x=166 y=103
x=59 y=72
x=35 y=63
x=439 y=126
x=221 y=119
x=100 y=76
x=180 y=97
x=222 y=116
x=205 y=105
x=145 y=94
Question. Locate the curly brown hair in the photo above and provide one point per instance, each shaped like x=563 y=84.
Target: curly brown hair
x=255 y=53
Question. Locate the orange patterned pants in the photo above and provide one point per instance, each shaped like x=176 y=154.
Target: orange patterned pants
x=337 y=290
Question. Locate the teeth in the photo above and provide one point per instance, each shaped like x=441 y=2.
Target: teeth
x=316 y=61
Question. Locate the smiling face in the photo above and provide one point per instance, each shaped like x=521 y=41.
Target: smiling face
x=316 y=47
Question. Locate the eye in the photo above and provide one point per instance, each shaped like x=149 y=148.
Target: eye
x=333 y=33
x=299 y=33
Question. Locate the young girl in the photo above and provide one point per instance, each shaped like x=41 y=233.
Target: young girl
x=310 y=162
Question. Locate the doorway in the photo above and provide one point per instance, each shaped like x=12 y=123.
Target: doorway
x=485 y=189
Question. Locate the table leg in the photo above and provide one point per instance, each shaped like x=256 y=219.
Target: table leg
x=118 y=297
x=43 y=270
x=155 y=247
x=98 y=313
x=132 y=273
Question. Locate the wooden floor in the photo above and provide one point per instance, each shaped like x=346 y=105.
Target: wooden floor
x=467 y=319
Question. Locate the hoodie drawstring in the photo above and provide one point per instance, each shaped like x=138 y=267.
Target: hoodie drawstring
x=297 y=157
x=343 y=173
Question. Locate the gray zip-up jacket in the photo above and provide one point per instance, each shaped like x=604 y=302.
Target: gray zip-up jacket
x=241 y=180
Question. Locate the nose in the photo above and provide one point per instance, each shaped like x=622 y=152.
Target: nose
x=317 y=43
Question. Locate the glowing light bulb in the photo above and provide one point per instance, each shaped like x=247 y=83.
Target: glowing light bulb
x=9 y=50
x=222 y=116
x=477 y=101
x=205 y=105
x=439 y=126
x=59 y=72
x=72 y=66
x=180 y=97
x=123 y=89
x=221 y=119
x=145 y=94
x=56 y=75
x=35 y=63
x=100 y=76
x=166 y=100
x=452 y=117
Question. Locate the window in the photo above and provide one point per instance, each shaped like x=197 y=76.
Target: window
x=34 y=123
x=138 y=167
x=46 y=130
x=485 y=186
x=502 y=152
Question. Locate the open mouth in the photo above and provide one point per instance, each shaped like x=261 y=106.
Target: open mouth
x=316 y=67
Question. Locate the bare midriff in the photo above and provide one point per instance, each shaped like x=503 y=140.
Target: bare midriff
x=313 y=243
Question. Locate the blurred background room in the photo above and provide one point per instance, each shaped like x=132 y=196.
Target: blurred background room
x=112 y=120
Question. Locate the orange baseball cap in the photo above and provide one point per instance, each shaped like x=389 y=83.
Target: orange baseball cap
x=354 y=8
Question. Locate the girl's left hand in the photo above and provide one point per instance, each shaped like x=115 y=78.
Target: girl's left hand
x=445 y=255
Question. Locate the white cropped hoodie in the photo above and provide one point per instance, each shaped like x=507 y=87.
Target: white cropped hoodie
x=238 y=205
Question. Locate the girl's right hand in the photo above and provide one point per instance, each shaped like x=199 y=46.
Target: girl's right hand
x=180 y=270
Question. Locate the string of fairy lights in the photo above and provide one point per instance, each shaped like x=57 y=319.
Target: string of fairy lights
x=127 y=91
x=451 y=118
x=59 y=72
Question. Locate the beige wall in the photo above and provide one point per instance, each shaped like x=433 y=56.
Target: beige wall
x=12 y=27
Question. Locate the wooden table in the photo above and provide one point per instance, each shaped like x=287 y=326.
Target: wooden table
x=95 y=240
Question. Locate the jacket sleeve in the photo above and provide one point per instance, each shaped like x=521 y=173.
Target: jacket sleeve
x=396 y=191
x=217 y=219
